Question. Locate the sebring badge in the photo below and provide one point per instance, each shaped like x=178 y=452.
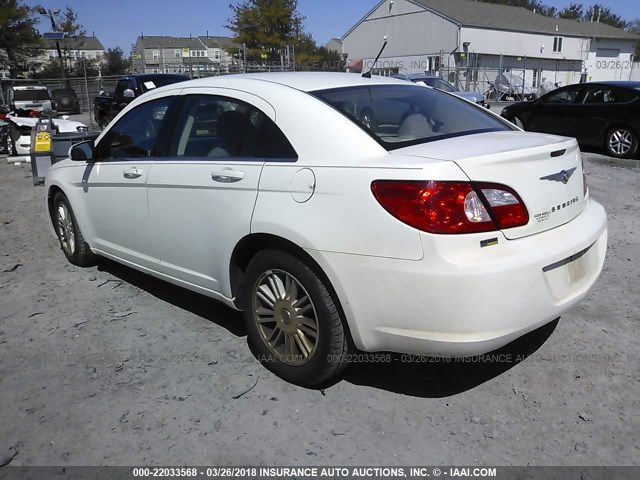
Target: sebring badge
x=562 y=176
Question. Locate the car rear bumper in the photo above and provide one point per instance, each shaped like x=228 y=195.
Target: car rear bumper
x=462 y=299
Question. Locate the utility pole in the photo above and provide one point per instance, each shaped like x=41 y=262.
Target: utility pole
x=52 y=14
x=244 y=58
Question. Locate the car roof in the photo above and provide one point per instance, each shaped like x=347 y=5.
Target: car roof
x=418 y=76
x=618 y=83
x=303 y=81
x=149 y=76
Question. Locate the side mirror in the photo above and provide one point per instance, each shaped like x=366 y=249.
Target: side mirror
x=128 y=93
x=82 y=152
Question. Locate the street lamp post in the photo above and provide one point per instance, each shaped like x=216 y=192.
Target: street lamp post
x=52 y=14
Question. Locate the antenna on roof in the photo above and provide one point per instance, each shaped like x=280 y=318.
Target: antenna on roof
x=207 y=34
x=368 y=74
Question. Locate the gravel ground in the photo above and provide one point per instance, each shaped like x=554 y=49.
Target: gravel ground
x=106 y=366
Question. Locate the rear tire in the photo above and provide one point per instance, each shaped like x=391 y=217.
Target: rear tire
x=293 y=322
x=621 y=142
x=71 y=240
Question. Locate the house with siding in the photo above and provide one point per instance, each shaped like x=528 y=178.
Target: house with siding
x=469 y=42
x=74 y=50
x=194 y=56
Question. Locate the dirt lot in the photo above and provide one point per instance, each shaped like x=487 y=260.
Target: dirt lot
x=105 y=366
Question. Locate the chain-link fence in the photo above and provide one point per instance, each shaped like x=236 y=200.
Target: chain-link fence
x=87 y=88
x=502 y=84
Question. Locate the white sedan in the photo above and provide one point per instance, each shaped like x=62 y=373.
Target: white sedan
x=441 y=229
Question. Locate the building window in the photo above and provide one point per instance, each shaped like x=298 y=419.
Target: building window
x=535 y=80
x=177 y=53
x=557 y=44
x=216 y=54
x=156 y=54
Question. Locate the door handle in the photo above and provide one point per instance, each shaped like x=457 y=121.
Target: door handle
x=226 y=175
x=132 y=172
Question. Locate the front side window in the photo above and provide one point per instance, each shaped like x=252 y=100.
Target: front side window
x=124 y=84
x=215 y=127
x=398 y=116
x=135 y=134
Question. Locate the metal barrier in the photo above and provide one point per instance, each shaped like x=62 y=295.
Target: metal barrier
x=49 y=147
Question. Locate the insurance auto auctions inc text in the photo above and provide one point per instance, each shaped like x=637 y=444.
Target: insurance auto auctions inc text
x=374 y=472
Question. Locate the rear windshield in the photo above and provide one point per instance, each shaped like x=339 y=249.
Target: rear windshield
x=27 y=95
x=398 y=116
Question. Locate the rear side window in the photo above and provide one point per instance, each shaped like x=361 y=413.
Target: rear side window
x=399 y=116
x=607 y=94
x=219 y=127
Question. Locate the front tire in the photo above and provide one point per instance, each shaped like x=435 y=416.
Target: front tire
x=69 y=235
x=292 y=319
x=621 y=142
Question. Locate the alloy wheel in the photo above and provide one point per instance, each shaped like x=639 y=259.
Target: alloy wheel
x=66 y=232
x=620 y=141
x=285 y=317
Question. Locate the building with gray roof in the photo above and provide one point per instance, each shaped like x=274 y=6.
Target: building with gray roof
x=469 y=42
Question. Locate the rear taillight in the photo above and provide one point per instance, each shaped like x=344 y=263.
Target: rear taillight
x=451 y=207
x=35 y=113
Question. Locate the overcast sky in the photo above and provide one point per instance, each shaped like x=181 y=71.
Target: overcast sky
x=120 y=22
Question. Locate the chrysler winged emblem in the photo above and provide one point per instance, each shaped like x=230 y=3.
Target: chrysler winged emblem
x=562 y=176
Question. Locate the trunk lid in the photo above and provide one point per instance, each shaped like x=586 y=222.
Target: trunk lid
x=545 y=170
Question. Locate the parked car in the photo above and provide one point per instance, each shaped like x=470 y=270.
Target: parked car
x=441 y=84
x=24 y=99
x=450 y=234
x=509 y=86
x=20 y=129
x=107 y=106
x=598 y=114
x=65 y=101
